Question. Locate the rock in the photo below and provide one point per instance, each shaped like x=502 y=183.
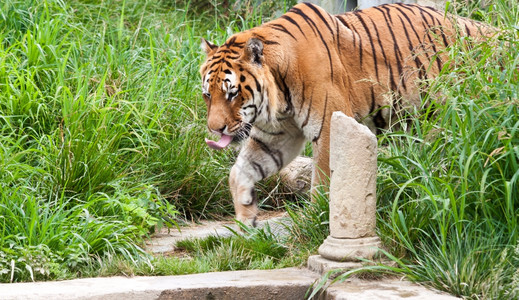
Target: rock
x=297 y=175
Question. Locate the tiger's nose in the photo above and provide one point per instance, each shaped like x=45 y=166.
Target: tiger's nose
x=218 y=131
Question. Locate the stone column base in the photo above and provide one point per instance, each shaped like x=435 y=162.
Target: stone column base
x=342 y=250
x=322 y=265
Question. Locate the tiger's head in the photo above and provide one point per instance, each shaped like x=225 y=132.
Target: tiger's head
x=237 y=88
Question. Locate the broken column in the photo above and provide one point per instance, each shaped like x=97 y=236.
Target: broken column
x=353 y=165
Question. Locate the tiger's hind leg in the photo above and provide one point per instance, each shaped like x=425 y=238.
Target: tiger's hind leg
x=263 y=155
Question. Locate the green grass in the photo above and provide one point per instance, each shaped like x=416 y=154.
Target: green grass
x=253 y=248
x=101 y=129
x=448 y=197
x=101 y=141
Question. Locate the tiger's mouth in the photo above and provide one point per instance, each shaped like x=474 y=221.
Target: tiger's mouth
x=225 y=140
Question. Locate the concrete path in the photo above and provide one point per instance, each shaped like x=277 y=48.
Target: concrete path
x=289 y=283
x=165 y=241
x=283 y=284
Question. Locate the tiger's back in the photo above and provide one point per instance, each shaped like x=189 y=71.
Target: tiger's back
x=399 y=46
x=369 y=59
x=280 y=82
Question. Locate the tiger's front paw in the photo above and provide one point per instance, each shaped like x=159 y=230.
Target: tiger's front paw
x=250 y=222
x=246 y=213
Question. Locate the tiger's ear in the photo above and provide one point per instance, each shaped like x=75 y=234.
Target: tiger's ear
x=253 y=51
x=208 y=47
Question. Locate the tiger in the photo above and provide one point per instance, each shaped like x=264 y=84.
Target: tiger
x=274 y=87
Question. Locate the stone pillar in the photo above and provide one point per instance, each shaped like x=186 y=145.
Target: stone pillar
x=353 y=165
x=334 y=6
x=340 y=6
x=369 y=3
x=438 y=4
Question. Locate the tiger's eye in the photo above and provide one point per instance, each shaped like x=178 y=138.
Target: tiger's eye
x=232 y=95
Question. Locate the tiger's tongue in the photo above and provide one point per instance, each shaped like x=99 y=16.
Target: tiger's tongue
x=224 y=141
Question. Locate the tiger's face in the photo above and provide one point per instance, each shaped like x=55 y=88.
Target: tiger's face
x=232 y=88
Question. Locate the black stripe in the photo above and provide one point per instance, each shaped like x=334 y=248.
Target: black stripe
x=468 y=30
x=267 y=106
x=293 y=22
x=258 y=86
x=372 y=108
x=396 y=49
x=305 y=122
x=254 y=200
x=426 y=11
x=286 y=91
x=271 y=153
x=303 y=99
x=417 y=61
x=318 y=13
x=435 y=20
x=227 y=51
x=322 y=121
x=248 y=88
x=343 y=21
x=228 y=64
x=445 y=42
x=428 y=27
x=406 y=7
x=374 y=53
x=282 y=28
x=379 y=41
x=388 y=64
x=297 y=11
x=215 y=63
x=288 y=99
x=422 y=73
x=355 y=33
x=352 y=28
x=259 y=169
x=232 y=42
x=409 y=42
x=265 y=41
x=410 y=24
x=312 y=25
x=388 y=12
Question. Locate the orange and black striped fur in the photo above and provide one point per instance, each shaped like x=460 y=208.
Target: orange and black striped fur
x=279 y=83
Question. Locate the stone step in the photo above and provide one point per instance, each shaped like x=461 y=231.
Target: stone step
x=290 y=283
x=283 y=284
